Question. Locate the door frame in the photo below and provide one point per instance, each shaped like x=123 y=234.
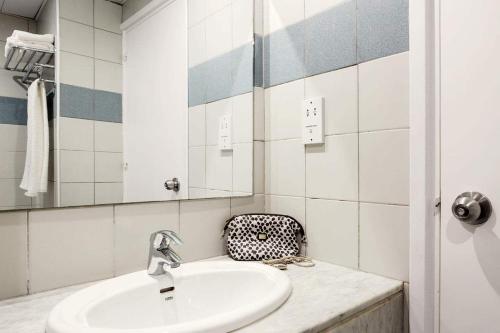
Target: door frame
x=424 y=166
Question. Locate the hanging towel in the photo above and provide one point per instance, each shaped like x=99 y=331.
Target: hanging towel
x=37 y=152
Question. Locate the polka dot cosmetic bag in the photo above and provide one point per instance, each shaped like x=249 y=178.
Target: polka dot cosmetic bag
x=263 y=236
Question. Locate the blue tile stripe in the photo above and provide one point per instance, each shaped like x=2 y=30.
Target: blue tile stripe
x=13 y=111
x=230 y=74
x=350 y=33
x=85 y=103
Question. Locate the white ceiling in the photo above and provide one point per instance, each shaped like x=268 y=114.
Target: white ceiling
x=26 y=8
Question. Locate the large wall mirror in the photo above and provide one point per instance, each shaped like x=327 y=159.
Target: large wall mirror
x=137 y=94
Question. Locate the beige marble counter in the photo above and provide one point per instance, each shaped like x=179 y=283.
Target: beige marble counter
x=323 y=297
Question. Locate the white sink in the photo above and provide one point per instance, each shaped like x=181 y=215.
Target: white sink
x=209 y=296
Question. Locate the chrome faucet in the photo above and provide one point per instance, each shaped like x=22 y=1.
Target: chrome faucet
x=161 y=254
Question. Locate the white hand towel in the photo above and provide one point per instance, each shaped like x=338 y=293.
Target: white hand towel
x=33 y=38
x=11 y=42
x=37 y=152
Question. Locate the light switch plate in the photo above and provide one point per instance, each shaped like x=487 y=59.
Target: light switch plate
x=313 y=121
x=225 y=133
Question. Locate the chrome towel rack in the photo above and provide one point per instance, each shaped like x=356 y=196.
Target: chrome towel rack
x=31 y=61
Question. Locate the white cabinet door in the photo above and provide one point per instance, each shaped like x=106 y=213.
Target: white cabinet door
x=470 y=133
x=156 y=104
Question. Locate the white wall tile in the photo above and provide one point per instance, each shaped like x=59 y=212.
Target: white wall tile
x=11 y=195
x=8 y=87
x=197 y=11
x=108 y=76
x=81 y=11
x=219 y=168
x=243 y=167
x=76 y=134
x=384 y=240
x=76 y=38
x=285 y=167
x=384 y=167
x=197 y=167
x=197 y=126
x=76 y=194
x=201 y=222
x=108 y=167
x=279 y=14
x=197 y=52
x=108 y=46
x=284 y=110
x=219 y=33
x=214 y=111
x=108 y=136
x=340 y=90
x=108 y=193
x=12 y=137
x=332 y=231
x=78 y=241
x=12 y=165
x=259 y=167
x=242 y=121
x=218 y=193
x=243 y=15
x=107 y=16
x=216 y=5
x=259 y=114
x=10 y=23
x=76 y=166
x=13 y=254
x=332 y=168
x=197 y=193
x=384 y=93
x=293 y=206
x=247 y=205
x=133 y=226
x=76 y=70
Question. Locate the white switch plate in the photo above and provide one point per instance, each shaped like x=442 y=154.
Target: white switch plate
x=313 y=122
x=225 y=131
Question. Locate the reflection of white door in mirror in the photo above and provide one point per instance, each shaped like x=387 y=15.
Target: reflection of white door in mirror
x=155 y=104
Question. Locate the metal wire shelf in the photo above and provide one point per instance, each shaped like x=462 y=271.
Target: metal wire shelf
x=30 y=61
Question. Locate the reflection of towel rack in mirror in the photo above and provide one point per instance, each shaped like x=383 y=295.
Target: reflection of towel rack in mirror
x=33 y=62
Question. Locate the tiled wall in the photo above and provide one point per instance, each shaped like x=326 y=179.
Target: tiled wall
x=47 y=249
x=221 y=75
x=90 y=123
x=351 y=192
x=12 y=122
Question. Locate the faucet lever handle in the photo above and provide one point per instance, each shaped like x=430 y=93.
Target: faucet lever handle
x=162 y=239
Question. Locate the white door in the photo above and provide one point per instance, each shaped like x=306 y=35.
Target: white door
x=156 y=104
x=470 y=156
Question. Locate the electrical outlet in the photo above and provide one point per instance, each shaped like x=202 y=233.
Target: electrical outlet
x=225 y=131
x=313 y=123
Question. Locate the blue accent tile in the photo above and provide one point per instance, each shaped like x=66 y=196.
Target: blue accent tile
x=77 y=102
x=197 y=85
x=242 y=70
x=219 y=78
x=13 y=111
x=258 y=61
x=107 y=106
x=382 y=28
x=284 y=55
x=331 y=39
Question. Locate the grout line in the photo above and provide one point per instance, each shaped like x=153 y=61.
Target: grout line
x=359 y=163
x=28 y=271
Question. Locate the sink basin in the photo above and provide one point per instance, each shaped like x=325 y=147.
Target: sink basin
x=209 y=296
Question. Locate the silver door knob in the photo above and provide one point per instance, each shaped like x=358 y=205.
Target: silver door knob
x=173 y=185
x=472 y=208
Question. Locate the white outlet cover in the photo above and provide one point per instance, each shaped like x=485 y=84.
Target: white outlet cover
x=313 y=121
x=225 y=133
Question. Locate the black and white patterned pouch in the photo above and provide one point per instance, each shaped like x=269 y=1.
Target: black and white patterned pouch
x=259 y=237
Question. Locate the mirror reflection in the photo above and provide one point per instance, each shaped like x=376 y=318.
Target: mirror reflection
x=125 y=101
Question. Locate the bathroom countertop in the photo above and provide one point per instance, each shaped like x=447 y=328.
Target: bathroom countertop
x=322 y=296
